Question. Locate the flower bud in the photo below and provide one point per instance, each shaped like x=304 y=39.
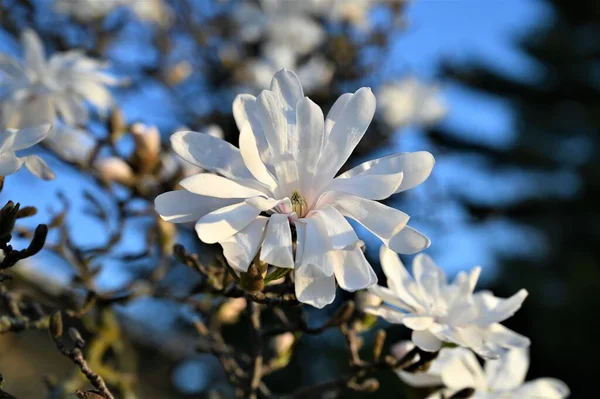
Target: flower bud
x=114 y=169
x=253 y=280
x=166 y=235
x=56 y=325
x=282 y=343
x=147 y=142
x=230 y=311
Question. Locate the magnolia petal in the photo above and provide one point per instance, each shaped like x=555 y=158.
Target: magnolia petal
x=418 y=322
x=409 y=241
x=389 y=315
x=274 y=123
x=252 y=158
x=352 y=270
x=9 y=163
x=381 y=220
x=314 y=287
x=349 y=128
x=277 y=246
x=509 y=371
x=306 y=145
x=547 y=388
x=428 y=276
x=500 y=336
x=340 y=232
x=27 y=137
x=335 y=111
x=216 y=186
x=210 y=153
x=225 y=222
x=317 y=246
x=241 y=248
x=72 y=109
x=426 y=341
x=374 y=187
x=420 y=380
x=38 y=167
x=287 y=88
x=33 y=51
x=398 y=279
x=504 y=308
x=181 y=206
x=416 y=166
x=390 y=298
x=245 y=111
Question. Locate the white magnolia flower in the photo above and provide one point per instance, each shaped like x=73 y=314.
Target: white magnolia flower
x=89 y=10
x=410 y=102
x=12 y=140
x=439 y=312
x=39 y=89
x=503 y=378
x=281 y=184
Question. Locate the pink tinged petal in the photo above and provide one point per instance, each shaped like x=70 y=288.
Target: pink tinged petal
x=38 y=167
x=352 y=270
x=33 y=51
x=340 y=232
x=546 y=388
x=417 y=322
x=409 y=241
x=307 y=143
x=252 y=158
x=210 y=153
x=426 y=341
x=241 y=248
x=277 y=246
x=379 y=219
x=316 y=246
x=390 y=298
x=416 y=166
x=346 y=133
x=398 y=279
x=181 y=206
x=217 y=186
x=374 y=187
x=287 y=88
x=28 y=137
x=9 y=163
x=389 y=315
x=509 y=371
x=313 y=286
x=225 y=222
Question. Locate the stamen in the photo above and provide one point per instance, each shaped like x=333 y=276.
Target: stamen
x=299 y=204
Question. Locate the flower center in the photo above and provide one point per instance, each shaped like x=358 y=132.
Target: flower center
x=299 y=204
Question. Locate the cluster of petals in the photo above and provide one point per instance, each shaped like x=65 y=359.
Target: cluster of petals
x=438 y=311
x=37 y=90
x=279 y=189
x=504 y=378
x=12 y=140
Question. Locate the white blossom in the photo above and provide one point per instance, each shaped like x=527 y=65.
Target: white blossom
x=438 y=311
x=89 y=10
x=410 y=102
x=12 y=140
x=280 y=184
x=37 y=90
x=502 y=378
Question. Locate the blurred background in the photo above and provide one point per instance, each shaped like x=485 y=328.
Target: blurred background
x=504 y=93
